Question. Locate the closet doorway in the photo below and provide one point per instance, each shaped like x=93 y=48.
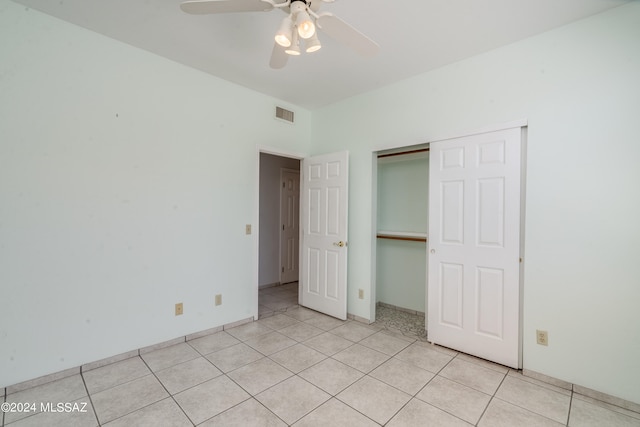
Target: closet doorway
x=470 y=199
x=401 y=236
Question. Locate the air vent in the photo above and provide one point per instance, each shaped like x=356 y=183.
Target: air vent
x=283 y=114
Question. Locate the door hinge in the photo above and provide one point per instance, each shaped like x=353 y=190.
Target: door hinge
x=283 y=269
x=282 y=226
x=283 y=184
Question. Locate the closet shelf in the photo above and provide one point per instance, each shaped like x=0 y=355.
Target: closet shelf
x=402 y=235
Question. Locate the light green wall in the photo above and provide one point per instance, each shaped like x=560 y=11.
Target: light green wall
x=403 y=193
x=401 y=273
x=126 y=181
x=402 y=205
x=578 y=88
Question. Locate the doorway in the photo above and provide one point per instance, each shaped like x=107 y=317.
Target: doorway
x=277 y=264
x=322 y=205
x=474 y=192
x=401 y=236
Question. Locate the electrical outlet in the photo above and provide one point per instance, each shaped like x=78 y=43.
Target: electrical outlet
x=247 y=229
x=219 y=299
x=179 y=310
x=542 y=337
x=361 y=293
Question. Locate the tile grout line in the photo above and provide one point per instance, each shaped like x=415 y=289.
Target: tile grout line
x=491 y=399
x=411 y=396
x=331 y=396
x=129 y=413
x=367 y=374
x=392 y=386
x=548 y=390
x=270 y=411
x=570 y=407
x=351 y=407
x=437 y=375
x=465 y=385
x=305 y=380
x=229 y=408
x=335 y=396
x=203 y=356
x=526 y=409
x=252 y=396
x=165 y=389
x=309 y=382
x=95 y=413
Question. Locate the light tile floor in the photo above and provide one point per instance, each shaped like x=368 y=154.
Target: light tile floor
x=298 y=367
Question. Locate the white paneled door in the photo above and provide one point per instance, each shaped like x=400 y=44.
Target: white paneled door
x=323 y=257
x=474 y=245
x=289 y=218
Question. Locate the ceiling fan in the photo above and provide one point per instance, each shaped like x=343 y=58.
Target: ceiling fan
x=297 y=28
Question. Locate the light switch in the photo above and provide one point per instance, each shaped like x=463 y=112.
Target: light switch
x=247 y=229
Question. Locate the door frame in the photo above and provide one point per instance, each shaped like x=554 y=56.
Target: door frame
x=521 y=123
x=256 y=216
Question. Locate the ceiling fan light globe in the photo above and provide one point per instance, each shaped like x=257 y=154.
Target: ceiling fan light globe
x=313 y=44
x=304 y=23
x=292 y=50
x=306 y=28
x=283 y=40
x=284 y=36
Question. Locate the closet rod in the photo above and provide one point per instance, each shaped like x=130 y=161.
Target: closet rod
x=402 y=153
x=410 y=239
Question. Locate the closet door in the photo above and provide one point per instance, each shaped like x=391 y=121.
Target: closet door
x=474 y=245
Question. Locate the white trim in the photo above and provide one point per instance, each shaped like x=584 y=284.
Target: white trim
x=279 y=152
x=519 y=123
x=373 y=254
x=487 y=129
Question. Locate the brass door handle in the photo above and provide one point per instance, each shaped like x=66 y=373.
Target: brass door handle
x=340 y=244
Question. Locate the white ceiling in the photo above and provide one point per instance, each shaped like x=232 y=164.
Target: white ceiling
x=415 y=36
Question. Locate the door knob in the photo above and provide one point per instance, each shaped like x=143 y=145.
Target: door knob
x=433 y=251
x=340 y=244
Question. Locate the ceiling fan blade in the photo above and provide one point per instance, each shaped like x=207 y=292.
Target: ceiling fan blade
x=339 y=30
x=205 y=7
x=279 y=57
